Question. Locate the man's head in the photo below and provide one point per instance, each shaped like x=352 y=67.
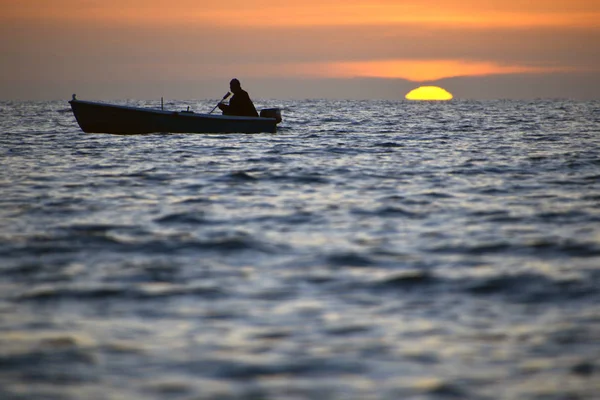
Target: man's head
x=235 y=86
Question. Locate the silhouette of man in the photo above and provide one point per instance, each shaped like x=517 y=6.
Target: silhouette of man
x=240 y=103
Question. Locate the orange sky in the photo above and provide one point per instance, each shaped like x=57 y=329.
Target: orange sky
x=506 y=13
x=63 y=43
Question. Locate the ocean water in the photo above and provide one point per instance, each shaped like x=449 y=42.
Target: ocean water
x=368 y=250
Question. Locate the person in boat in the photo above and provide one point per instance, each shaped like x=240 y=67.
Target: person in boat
x=240 y=103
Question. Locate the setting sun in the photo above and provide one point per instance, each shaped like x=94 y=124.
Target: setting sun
x=429 y=93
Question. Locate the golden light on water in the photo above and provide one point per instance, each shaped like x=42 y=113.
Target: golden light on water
x=429 y=93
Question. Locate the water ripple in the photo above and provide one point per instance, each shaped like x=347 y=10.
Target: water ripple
x=368 y=250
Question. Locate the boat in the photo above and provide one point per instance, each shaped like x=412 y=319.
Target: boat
x=95 y=117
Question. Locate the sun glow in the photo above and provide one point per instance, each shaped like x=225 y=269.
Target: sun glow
x=426 y=70
x=429 y=93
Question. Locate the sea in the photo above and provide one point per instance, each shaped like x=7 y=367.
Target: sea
x=367 y=250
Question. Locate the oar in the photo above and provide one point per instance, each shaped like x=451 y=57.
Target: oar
x=222 y=100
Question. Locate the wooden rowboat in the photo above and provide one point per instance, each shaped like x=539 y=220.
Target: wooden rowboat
x=95 y=117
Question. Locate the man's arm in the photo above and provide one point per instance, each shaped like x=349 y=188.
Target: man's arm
x=224 y=107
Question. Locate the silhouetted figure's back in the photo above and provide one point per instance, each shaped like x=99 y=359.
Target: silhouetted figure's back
x=240 y=103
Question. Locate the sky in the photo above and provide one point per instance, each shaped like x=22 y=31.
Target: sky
x=371 y=49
